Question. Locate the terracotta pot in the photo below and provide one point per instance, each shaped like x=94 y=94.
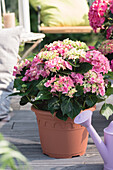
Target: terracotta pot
x=61 y=139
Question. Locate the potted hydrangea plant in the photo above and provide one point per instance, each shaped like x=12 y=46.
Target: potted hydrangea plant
x=63 y=79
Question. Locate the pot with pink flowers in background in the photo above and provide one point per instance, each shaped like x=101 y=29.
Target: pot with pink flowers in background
x=61 y=81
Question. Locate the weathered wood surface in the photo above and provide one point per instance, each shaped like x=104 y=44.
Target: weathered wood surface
x=22 y=131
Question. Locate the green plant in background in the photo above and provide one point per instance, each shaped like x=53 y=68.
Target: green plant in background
x=21 y=48
x=10 y=157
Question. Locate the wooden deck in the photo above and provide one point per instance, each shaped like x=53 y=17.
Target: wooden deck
x=22 y=131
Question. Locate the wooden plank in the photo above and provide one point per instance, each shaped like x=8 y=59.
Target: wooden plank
x=64 y=167
x=67 y=29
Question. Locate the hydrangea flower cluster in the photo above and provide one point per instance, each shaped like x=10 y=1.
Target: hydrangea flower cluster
x=63 y=84
x=100 y=16
x=91 y=81
x=63 y=77
x=106 y=47
x=94 y=82
x=56 y=64
x=17 y=69
x=99 y=62
x=61 y=56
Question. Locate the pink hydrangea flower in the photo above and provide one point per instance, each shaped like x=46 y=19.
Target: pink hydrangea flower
x=111 y=6
x=77 y=78
x=49 y=82
x=106 y=47
x=19 y=67
x=56 y=64
x=111 y=66
x=36 y=70
x=59 y=47
x=96 y=13
x=98 y=60
x=16 y=71
x=109 y=32
x=91 y=47
x=94 y=82
x=64 y=84
x=100 y=16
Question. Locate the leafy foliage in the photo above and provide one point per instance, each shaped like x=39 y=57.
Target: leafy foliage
x=84 y=67
x=107 y=110
x=11 y=157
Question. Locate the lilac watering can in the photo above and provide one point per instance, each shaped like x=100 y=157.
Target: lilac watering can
x=105 y=148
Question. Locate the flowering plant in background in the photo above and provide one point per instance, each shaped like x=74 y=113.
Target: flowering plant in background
x=106 y=48
x=101 y=16
x=64 y=78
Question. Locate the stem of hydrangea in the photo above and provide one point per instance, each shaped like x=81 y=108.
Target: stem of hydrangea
x=31 y=102
x=84 y=104
x=64 y=73
x=71 y=63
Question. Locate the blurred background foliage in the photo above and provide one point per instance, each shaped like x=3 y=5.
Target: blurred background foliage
x=90 y=38
x=10 y=157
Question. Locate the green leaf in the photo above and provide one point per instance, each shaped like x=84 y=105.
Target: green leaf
x=24 y=85
x=84 y=67
x=91 y=100
x=61 y=116
x=75 y=109
x=31 y=88
x=66 y=106
x=97 y=44
x=17 y=93
x=109 y=91
x=79 y=91
x=18 y=84
x=24 y=100
x=53 y=104
x=101 y=99
x=70 y=107
x=66 y=72
x=41 y=86
x=43 y=95
x=107 y=110
x=110 y=75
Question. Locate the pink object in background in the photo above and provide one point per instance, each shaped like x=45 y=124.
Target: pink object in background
x=91 y=47
x=105 y=148
x=9 y=20
x=111 y=66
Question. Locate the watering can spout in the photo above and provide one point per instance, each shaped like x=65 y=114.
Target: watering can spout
x=84 y=119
